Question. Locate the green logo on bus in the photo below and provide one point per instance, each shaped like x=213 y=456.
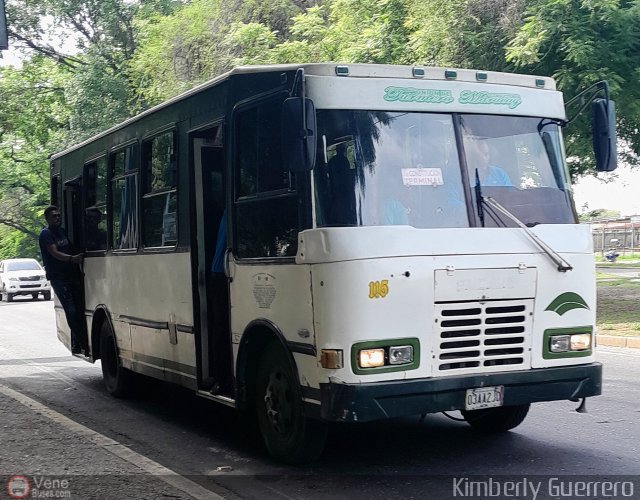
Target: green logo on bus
x=565 y=302
x=410 y=94
x=512 y=101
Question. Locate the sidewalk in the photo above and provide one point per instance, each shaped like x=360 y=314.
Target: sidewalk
x=46 y=455
x=618 y=341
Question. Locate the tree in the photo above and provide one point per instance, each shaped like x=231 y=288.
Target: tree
x=580 y=43
x=599 y=213
x=34 y=119
x=203 y=39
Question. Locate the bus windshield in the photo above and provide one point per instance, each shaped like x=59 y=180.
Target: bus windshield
x=399 y=168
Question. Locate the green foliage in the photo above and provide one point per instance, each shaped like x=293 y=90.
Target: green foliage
x=97 y=97
x=34 y=119
x=175 y=52
x=580 y=43
x=202 y=39
x=16 y=244
x=599 y=213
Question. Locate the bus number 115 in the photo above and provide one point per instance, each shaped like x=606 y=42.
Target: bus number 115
x=378 y=289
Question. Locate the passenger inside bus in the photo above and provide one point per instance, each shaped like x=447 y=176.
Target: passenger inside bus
x=427 y=187
x=479 y=157
x=96 y=235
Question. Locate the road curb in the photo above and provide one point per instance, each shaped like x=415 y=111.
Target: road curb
x=618 y=341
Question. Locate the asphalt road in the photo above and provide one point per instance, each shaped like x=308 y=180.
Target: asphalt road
x=174 y=445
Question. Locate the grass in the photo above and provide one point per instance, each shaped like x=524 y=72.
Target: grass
x=618 y=311
x=610 y=280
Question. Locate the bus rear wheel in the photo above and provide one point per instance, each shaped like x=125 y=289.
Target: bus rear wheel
x=500 y=419
x=289 y=436
x=116 y=377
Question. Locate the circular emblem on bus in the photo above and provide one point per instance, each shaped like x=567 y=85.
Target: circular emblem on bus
x=18 y=487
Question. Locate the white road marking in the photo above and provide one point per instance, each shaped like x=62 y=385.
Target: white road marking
x=114 y=447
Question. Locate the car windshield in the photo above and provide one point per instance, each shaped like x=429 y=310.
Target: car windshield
x=24 y=265
x=396 y=168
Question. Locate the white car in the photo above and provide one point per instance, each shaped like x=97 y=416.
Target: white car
x=23 y=277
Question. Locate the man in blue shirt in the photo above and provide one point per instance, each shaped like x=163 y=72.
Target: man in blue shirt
x=490 y=175
x=63 y=271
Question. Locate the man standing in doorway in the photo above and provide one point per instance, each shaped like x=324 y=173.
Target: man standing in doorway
x=63 y=271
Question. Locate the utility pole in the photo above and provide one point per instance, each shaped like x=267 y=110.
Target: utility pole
x=4 y=39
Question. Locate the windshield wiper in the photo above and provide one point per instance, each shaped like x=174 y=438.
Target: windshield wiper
x=479 y=199
x=561 y=264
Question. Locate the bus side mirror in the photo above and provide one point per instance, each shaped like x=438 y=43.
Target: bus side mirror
x=604 y=134
x=298 y=138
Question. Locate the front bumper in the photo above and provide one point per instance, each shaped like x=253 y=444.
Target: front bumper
x=27 y=287
x=375 y=401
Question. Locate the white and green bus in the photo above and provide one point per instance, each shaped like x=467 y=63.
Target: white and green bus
x=341 y=243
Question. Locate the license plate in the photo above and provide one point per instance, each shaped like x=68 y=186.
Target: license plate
x=484 y=397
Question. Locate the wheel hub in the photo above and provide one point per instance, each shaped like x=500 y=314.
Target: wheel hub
x=278 y=402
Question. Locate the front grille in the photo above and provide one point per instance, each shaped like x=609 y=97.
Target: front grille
x=29 y=286
x=29 y=278
x=483 y=336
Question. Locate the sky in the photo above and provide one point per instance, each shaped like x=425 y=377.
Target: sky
x=619 y=190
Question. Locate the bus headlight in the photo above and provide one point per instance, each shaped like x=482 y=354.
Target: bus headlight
x=399 y=355
x=559 y=343
x=371 y=358
x=580 y=342
x=567 y=343
x=384 y=356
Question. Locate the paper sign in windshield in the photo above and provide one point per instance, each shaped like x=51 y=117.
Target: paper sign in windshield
x=422 y=177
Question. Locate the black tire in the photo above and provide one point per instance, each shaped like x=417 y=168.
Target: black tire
x=46 y=295
x=9 y=297
x=501 y=419
x=289 y=436
x=34 y=296
x=116 y=377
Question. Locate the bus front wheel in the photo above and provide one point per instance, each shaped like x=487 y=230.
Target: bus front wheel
x=500 y=419
x=288 y=435
x=116 y=377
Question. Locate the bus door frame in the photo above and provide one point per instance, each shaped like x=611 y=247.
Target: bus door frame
x=204 y=242
x=73 y=211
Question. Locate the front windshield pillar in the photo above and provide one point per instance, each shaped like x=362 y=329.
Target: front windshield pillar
x=467 y=186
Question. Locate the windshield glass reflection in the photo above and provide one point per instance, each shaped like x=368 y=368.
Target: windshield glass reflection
x=380 y=168
x=395 y=168
x=520 y=163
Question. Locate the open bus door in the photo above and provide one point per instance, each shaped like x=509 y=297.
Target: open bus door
x=73 y=223
x=214 y=352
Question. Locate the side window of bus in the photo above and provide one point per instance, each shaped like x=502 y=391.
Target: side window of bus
x=124 y=204
x=159 y=196
x=266 y=204
x=95 y=221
